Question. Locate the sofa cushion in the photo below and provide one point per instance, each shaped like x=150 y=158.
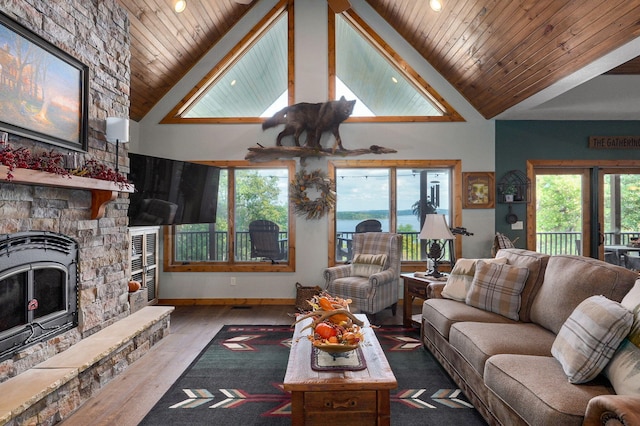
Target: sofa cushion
x=569 y=280
x=443 y=313
x=365 y=265
x=536 y=388
x=476 y=342
x=497 y=287
x=623 y=370
x=536 y=263
x=459 y=280
x=587 y=340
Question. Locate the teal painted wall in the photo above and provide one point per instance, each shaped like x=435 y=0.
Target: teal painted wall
x=519 y=141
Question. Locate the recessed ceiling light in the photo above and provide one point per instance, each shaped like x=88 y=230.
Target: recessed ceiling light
x=179 y=5
x=395 y=80
x=233 y=82
x=436 y=5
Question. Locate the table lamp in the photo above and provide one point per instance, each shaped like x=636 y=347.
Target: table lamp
x=436 y=230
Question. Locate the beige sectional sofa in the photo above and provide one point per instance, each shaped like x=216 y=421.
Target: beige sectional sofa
x=506 y=367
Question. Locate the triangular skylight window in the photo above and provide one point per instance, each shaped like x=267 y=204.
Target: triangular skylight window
x=367 y=70
x=252 y=81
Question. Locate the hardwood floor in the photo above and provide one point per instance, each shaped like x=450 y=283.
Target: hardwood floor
x=127 y=399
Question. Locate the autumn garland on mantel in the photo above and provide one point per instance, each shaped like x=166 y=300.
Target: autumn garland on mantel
x=53 y=162
x=318 y=207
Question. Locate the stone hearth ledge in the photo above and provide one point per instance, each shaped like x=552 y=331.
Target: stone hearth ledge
x=27 y=389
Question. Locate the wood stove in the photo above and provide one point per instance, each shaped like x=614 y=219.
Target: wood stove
x=38 y=288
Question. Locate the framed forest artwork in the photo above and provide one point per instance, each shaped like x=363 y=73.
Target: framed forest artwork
x=43 y=90
x=478 y=190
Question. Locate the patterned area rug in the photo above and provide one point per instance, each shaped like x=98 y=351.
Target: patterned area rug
x=237 y=379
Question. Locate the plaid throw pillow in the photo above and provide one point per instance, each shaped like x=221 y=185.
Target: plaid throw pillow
x=459 y=280
x=590 y=336
x=503 y=242
x=496 y=288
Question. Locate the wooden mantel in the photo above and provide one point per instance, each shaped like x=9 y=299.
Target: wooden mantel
x=102 y=191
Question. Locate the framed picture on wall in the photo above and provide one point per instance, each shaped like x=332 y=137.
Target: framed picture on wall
x=43 y=90
x=478 y=190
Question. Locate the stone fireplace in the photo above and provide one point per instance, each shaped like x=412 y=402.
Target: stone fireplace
x=38 y=289
x=66 y=327
x=96 y=34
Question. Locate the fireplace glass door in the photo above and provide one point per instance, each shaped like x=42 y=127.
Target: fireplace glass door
x=38 y=288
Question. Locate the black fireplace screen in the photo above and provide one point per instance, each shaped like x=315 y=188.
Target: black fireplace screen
x=38 y=288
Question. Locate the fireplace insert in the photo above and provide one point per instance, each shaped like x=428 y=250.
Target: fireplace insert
x=38 y=288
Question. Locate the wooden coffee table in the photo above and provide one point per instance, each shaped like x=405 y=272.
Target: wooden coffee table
x=339 y=397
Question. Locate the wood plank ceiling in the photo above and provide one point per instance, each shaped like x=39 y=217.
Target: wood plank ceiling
x=495 y=52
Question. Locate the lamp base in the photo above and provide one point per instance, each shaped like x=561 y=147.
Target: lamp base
x=433 y=271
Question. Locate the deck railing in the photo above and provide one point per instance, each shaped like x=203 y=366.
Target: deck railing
x=193 y=246
x=554 y=243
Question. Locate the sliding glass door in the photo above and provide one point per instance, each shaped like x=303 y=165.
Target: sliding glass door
x=620 y=216
x=589 y=210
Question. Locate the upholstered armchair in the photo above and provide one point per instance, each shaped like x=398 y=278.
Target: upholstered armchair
x=371 y=279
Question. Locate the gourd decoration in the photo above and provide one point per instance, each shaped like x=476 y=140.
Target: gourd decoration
x=134 y=286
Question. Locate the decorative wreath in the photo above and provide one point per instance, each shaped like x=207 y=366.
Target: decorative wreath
x=312 y=209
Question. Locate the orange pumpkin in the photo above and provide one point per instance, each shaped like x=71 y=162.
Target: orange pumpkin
x=134 y=286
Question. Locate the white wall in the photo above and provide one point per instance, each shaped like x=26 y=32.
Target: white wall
x=471 y=141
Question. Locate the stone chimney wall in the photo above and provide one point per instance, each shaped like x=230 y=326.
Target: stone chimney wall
x=97 y=34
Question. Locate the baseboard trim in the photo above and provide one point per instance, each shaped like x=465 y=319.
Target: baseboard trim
x=222 y=302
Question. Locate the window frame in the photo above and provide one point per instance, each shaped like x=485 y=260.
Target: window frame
x=449 y=113
x=171 y=265
x=284 y=6
x=456 y=199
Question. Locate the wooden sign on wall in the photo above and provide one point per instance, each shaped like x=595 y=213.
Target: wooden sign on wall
x=614 y=142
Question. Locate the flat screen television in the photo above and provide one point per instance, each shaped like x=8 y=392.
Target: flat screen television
x=171 y=192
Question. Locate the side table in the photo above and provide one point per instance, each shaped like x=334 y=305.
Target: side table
x=415 y=287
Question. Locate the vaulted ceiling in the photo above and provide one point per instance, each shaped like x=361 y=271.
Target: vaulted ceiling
x=496 y=53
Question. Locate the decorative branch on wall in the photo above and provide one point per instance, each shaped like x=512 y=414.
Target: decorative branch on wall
x=263 y=154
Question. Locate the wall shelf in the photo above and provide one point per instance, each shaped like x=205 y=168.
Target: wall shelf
x=102 y=191
x=517 y=183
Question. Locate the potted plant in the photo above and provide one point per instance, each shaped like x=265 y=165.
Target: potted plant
x=509 y=191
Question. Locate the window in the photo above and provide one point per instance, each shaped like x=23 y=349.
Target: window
x=385 y=87
x=397 y=194
x=254 y=80
x=253 y=230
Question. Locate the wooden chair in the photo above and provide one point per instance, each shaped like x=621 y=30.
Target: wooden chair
x=369 y=225
x=611 y=257
x=632 y=262
x=265 y=242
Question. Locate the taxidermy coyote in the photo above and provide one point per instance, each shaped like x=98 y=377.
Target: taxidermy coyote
x=314 y=118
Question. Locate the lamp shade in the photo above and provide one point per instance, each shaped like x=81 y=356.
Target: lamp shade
x=117 y=129
x=435 y=228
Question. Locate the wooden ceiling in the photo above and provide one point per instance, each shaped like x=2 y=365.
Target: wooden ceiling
x=496 y=53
